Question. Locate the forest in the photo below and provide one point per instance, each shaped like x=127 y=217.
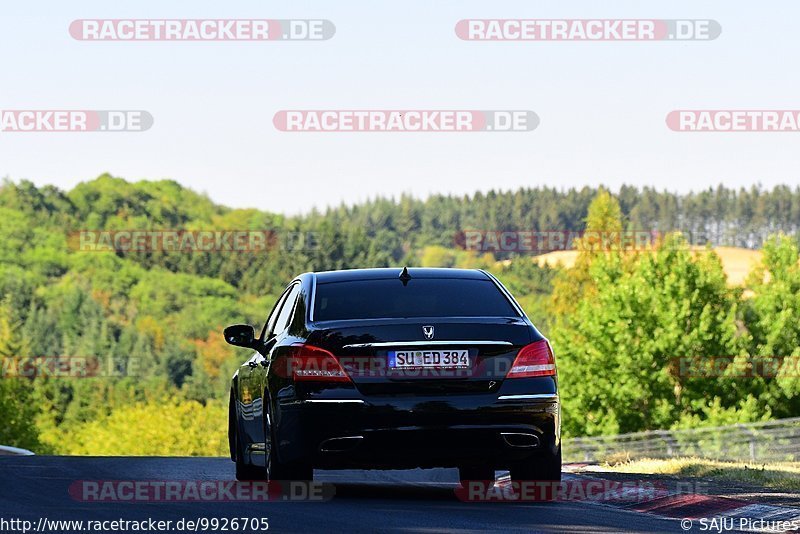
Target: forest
x=120 y=352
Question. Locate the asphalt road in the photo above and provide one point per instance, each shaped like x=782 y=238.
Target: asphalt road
x=37 y=487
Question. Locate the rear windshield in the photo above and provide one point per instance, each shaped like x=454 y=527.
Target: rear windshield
x=375 y=299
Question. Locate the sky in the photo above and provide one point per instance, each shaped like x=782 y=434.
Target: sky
x=602 y=105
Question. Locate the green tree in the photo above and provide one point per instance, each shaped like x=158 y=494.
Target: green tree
x=17 y=412
x=773 y=319
x=630 y=318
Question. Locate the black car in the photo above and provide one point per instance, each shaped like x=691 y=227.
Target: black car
x=395 y=369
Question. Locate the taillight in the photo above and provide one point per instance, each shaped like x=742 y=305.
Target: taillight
x=310 y=363
x=535 y=359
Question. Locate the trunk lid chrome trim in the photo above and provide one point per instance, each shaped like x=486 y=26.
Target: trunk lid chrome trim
x=439 y=343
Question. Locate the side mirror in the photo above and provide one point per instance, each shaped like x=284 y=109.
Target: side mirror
x=241 y=335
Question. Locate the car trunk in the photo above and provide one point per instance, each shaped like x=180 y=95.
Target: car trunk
x=465 y=355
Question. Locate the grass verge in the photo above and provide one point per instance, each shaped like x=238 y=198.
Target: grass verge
x=785 y=476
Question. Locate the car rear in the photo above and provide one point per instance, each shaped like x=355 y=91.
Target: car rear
x=437 y=368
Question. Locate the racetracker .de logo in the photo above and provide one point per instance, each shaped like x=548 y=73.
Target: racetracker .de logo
x=594 y=490
x=742 y=366
x=405 y=120
x=191 y=240
x=122 y=491
x=201 y=30
x=587 y=30
x=68 y=367
x=51 y=120
x=542 y=241
x=729 y=120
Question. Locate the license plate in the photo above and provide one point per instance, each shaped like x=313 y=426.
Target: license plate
x=438 y=359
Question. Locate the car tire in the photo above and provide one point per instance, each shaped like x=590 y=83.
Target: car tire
x=295 y=471
x=546 y=467
x=277 y=470
x=243 y=471
x=247 y=471
x=476 y=472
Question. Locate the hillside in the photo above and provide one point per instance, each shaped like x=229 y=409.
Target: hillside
x=153 y=318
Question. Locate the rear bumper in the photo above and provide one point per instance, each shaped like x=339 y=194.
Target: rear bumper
x=409 y=432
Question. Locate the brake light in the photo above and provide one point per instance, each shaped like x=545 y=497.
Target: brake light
x=310 y=363
x=535 y=359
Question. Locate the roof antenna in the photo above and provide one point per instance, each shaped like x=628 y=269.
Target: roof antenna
x=404 y=276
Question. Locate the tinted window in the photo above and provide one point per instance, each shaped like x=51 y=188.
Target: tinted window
x=286 y=311
x=270 y=324
x=372 y=299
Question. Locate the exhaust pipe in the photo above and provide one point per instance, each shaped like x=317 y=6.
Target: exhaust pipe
x=520 y=440
x=340 y=444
